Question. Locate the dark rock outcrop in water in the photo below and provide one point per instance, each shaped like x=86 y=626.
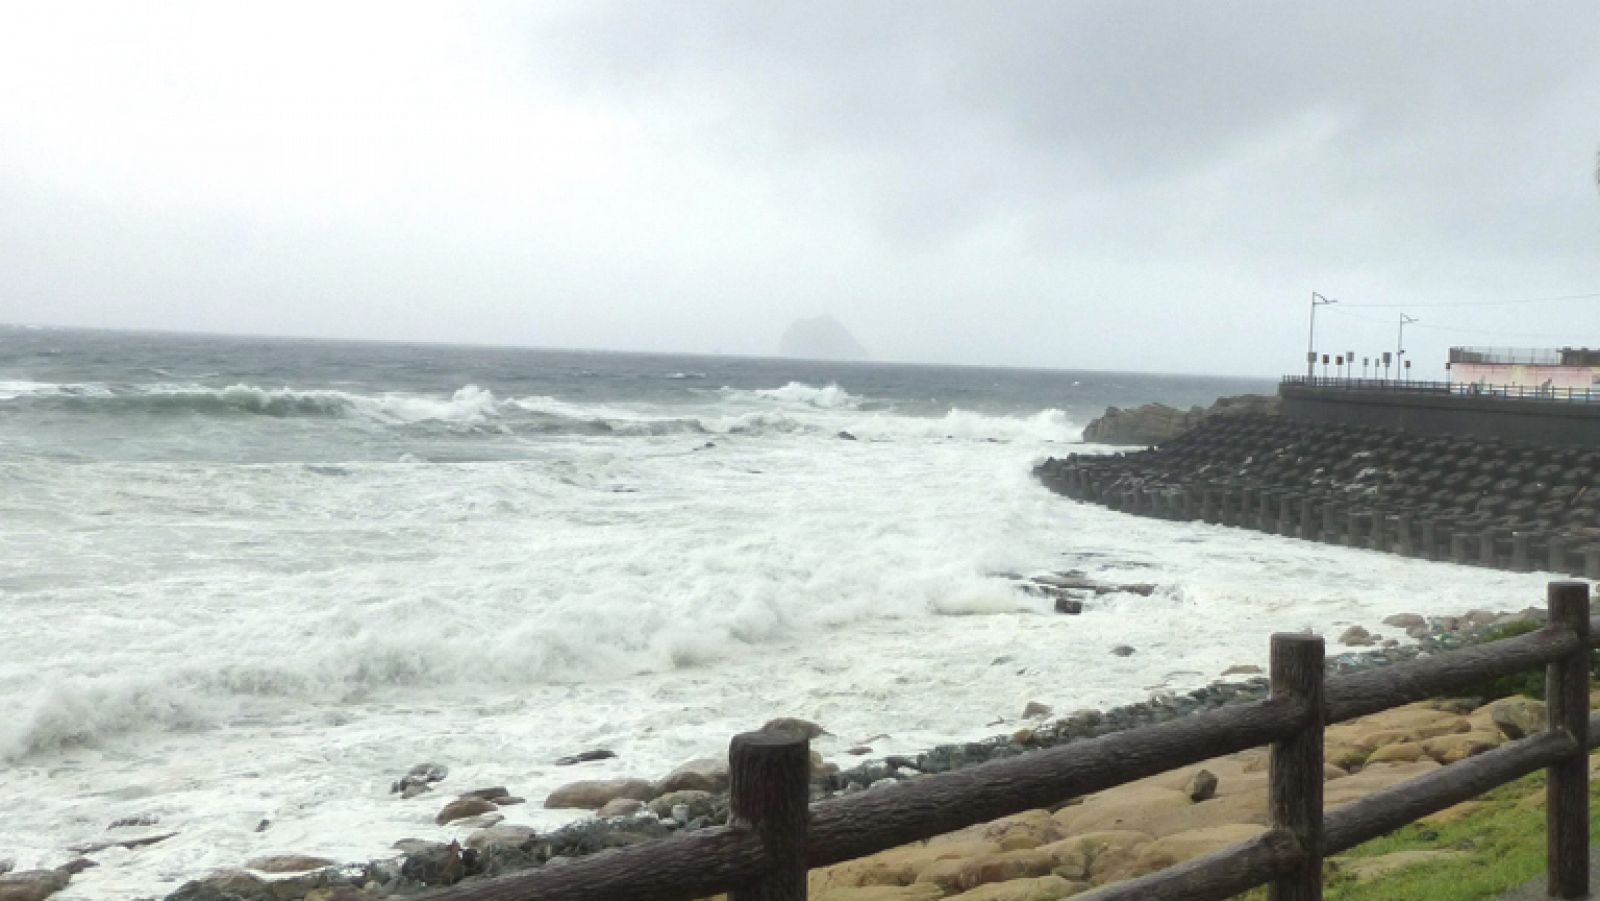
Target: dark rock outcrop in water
x=820 y=338
x=1159 y=423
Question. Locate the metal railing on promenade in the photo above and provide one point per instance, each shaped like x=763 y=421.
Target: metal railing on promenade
x=773 y=837
x=1457 y=389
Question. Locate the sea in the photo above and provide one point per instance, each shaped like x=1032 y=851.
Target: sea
x=247 y=583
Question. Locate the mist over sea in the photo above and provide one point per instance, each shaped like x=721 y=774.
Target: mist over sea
x=252 y=579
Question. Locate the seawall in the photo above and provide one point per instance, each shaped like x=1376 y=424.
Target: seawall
x=1478 y=501
x=1562 y=418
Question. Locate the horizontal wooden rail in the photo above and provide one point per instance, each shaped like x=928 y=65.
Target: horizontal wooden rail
x=772 y=838
x=847 y=828
x=1371 y=691
x=681 y=868
x=1234 y=869
x=1383 y=812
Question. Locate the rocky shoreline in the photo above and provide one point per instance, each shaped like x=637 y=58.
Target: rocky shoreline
x=694 y=795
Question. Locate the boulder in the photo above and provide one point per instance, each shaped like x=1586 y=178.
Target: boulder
x=421 y=774
x=227 y=885
x=1182 y=846
x=433 y=863
x=31 y=885
x=620 y=807
x=791 y=725
x=1202 y=786
x=1356 y=637
x=288 y=863
x=696 y=804
x=1403 y=752
x=502 y=834
x=462 y=808
x=1034 y=710
x=585 y=757
x=1461 y=745
x=1404 y=621
x=1519 y=717
x=708 y=774
x=593 y=794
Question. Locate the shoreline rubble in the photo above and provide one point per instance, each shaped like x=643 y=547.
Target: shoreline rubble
x=694 y=795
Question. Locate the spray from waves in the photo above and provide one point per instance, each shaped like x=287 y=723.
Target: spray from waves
x=795 y=408
x=828 y=397
x=1045 y=426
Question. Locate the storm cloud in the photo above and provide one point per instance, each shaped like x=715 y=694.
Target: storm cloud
x=1076 y=185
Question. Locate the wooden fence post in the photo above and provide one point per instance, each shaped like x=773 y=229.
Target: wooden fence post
x=769 y=775
x=1295 y=790
x=1567 y=793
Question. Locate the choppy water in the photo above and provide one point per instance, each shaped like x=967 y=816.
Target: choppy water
x=258 y=579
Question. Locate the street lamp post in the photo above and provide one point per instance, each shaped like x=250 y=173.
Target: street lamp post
x=1317 y=300
x=1400 y=341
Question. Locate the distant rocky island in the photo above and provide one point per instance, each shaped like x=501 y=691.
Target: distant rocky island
x=820 y=338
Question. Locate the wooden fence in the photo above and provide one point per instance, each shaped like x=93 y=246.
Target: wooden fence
x=773 y=836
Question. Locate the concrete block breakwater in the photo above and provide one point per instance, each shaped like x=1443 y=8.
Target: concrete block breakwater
x=1471 y=501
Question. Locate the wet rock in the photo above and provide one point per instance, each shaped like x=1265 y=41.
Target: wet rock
x=288 y=863
x=1159 y=423
x=858 y=750
x=701 y=774
x=594 y=793
x=1356 y=637
x=228 y=885
x=1242 y=669
x=620 y=807
x=1034 y=710
x=695 y=804
x=1068 y=606
x=414 y=789
x=481 y=821
x=585 y=757
x=96 y=847
x=1404 y=621
x=789 y=725
x=7 y=865
x=494 y=793
x=1123 y=650
x=461 y=808
x=143 y=819
x=846 y=436
x=421 y=774
x=1202 y=786
x=32 y=885
x=433 y=863
x=501 y=834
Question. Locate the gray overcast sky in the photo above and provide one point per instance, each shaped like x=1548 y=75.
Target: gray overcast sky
x=1116 y=185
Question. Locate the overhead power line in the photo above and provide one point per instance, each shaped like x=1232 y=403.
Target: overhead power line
x=1480 y=303
x=1565 y=337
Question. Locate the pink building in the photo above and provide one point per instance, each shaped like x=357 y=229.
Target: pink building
x=1556 y=369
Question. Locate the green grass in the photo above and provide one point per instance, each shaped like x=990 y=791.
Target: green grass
x=1503 y=844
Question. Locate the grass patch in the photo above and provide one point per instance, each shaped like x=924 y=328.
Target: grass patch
x=1502 y=846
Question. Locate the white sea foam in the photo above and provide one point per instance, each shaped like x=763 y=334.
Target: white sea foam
x=828 y=397
x=221 y=644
